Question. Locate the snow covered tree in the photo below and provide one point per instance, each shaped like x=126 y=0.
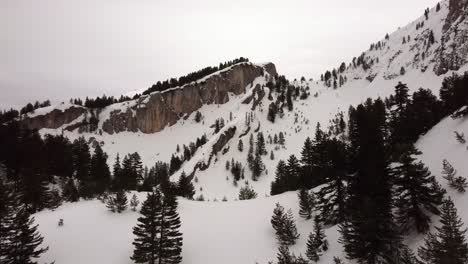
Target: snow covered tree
x=120 y=201
x=450 y=174
x=281 y=139
x=448 y=245
x=240 y=146
x=257 y=166
x=331 y=198
x=284 y=256
x=317 y=242
x=8 y=206
x=460 y=137
x=158 y=239
x=24 y=240
x=306 y=203
x=419 y=193
x=250 y=155
x=70 y=192
x=99 y=171
x=261 y=144
x=134 y=202
x=369 y=233
x=247 y=193
x=272 y=110
x=284 y=226
x=185 y=186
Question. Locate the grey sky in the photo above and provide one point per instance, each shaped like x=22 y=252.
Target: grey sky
x=59 y=49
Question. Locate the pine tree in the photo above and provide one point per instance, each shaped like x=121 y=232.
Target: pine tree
x=24 y=240
x=331 y=198
x=185 y=186
x=272 y=110
x=8 y=206
x=120 y=201
x=134 y=202
x=419 y=192
x=281 y=139
x=448 y=172
x=158 y=239
x=454 y=181
x=247 y=193
x=448 y=245
x=99 y=171
x=306 y=203
x=70 y=192
x=279 y=184
x=289 y=233
x=117 y=172
x=284 y=256
x=261 y=150
x=369 y=233
x=110 y=203
x=240 y=146
x=257 y=166
x=250 y=156
x=312 y=251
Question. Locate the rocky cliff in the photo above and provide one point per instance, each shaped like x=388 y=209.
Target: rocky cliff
x=151 y=113
x=453 y=52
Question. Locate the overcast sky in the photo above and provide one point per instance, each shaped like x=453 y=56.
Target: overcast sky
x=59 y=49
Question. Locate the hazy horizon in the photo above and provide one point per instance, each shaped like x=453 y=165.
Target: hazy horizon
x=56 y=49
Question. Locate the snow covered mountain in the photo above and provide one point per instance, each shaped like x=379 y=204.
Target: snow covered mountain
x=420 y=54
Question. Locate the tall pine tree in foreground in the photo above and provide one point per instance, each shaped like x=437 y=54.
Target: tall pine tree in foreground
x=419 y=193
x=369 y=233
x=317 y=242
x=158 y=239
x=7 y=214
x=25 y=240
x=448 y=245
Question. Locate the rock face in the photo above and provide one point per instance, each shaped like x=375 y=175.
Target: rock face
x=54 y=119
x=154 y=112
x=453 y=52
x=151 y=113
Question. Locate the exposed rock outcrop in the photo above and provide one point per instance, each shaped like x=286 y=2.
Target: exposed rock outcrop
x=53 y=119
x=155 y=111
x=151 y=113
x=453 y=52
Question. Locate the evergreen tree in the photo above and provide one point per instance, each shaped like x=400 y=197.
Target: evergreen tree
x=369 y=233
x=240 y=145
x=134 y=202
x=448 y=245
x=257 y=166
x=25 y=240
x=289 y=230
x=454 y=181
x=117 y=172
x=247 y=193
x=281 y=139
x=272 y=110
x=185 y=186
x=70 y=192
x=110 y=203
x=158 y=239
x=279 y=184
x=120 y=201
x=8 y=206
x=284 y=256
x=261 y=150
x=419 y=192
x=306 y=203
x=331 y=198
x=250 y=156
x=99 y=171
x=293 y=173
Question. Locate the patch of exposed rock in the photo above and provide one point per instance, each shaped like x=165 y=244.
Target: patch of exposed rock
x=154 y=112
